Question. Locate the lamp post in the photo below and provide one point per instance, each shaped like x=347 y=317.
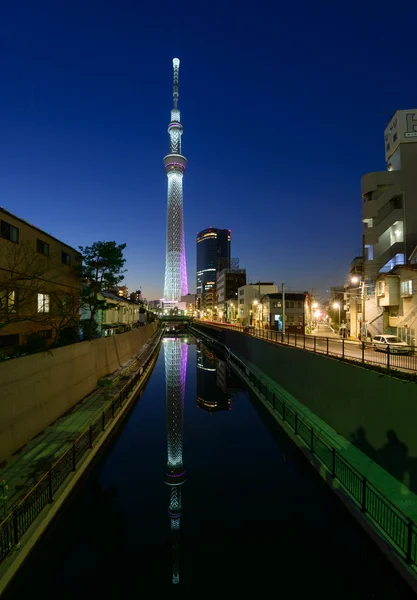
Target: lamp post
x=337 y=305
x=356 y=279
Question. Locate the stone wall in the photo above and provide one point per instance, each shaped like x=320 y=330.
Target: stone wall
x=36 y=390
x=377 y=412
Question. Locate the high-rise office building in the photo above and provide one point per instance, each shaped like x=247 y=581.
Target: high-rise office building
x=175 y=164
x=213 y=255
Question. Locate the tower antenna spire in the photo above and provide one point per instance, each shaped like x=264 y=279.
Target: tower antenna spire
x=176 y=65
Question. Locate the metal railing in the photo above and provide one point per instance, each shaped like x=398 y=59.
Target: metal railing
x=18 y=521
x=403 y=358
x=397 y=527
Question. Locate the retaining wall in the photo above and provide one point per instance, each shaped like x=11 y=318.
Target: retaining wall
x=36 y=390
x=375 y=411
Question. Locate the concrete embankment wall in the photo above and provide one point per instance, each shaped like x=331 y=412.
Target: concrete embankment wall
x=36 y=390
x=377 y=412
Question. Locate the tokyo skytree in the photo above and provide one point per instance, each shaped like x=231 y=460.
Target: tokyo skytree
x=175 y=356
x=175 y=164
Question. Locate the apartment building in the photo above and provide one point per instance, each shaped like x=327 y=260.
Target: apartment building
x=245 y=308
x=297 y=311
x=389 y=212
x=396 y=294
x=39 y=286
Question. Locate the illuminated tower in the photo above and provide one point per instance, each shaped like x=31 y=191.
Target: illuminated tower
x=175 y=354
x=175 y=164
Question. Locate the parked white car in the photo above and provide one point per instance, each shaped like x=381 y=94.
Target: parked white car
x=395 y=344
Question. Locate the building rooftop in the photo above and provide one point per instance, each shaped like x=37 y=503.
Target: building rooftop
x=288 y=295
x=9 y=214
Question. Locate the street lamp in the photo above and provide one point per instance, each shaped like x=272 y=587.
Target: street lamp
x=337 y=305
x=356 y=279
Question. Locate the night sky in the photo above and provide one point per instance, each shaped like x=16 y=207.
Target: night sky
x=283 y=109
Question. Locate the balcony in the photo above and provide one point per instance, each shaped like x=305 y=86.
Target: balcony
x=372 y=181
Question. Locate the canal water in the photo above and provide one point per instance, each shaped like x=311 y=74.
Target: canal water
x=200 y=491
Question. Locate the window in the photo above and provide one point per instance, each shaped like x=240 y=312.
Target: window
x=42 y=247
x=9 y=340
x=65 y=258
x=394 y=137
x=380 y=288
x=291 y=304
x=8 y=302
x=46 y=334
x=287 y=304
x=407 y=288
x=241 y=292
x=43 y=303
x=8 y=232
x=241 y=301
x=300 y=319
x=291 y=318
x=299 y=305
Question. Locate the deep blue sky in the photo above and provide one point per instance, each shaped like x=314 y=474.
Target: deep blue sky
x=283 y=109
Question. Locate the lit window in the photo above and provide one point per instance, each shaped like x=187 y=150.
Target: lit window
x=9 y=232
x=407 y=288
x=380 y=288
x=43 y=303
x=8 y=302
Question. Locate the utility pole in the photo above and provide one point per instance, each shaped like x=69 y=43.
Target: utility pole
x=363 y=332
x=283 y=309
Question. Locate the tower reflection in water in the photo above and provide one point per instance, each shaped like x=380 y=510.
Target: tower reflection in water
x=213 y=391
x=175 y=356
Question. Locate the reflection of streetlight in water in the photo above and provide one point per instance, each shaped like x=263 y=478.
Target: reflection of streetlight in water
x=175 y=355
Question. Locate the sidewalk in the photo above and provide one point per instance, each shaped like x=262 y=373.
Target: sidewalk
x=24 y=468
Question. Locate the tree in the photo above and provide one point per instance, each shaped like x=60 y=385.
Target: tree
x=101 y=269
x=21 y=278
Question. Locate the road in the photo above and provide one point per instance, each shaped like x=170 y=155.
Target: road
x=325 y=341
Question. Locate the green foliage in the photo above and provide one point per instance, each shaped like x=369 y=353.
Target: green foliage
x=67 y=335
x=101 y=269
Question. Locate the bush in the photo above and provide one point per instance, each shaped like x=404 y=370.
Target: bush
x=68 y=335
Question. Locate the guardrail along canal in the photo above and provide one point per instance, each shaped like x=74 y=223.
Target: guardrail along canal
x=201 y=491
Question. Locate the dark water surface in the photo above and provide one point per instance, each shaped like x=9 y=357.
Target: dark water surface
x=256 y=518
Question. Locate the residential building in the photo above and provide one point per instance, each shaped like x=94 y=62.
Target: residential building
x=122 y=314
x=135 y=296
x=396 y=294
x=244 y=310
x=121 y=290
x=213 y=255
x=39 y=284
x=389 y=211
x=297 y=311
x=227 y=285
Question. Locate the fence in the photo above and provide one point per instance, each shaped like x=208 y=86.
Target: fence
x=402 y=358
x=400 y=530
x=29 y=508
